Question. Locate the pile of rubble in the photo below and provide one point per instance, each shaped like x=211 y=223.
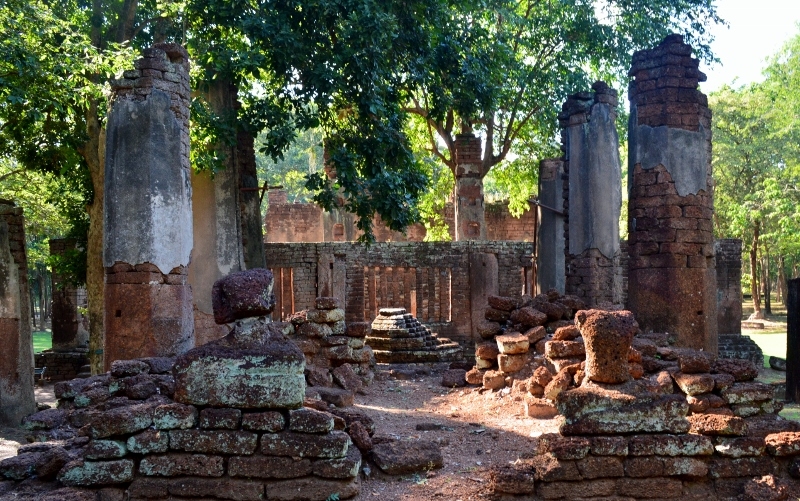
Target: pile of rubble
x=397 y=337
x=517 y=334
x=226 y=419
x=338 y=362
x=698 y=428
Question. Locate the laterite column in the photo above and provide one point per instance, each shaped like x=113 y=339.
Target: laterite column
x=672 y=277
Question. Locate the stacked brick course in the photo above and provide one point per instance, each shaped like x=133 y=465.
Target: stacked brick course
x=398 y=337
x=672 y=282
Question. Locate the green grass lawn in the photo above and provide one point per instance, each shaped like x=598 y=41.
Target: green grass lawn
x=42 y=340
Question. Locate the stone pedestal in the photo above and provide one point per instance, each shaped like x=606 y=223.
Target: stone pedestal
x=470 y=219
x=593 y=196
x=550 y=268
x=148 y=210
x=672 y=278
x=16 y=356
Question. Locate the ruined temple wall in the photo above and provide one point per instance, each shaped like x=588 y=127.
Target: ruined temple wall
x=437 y=282
x=672 y=278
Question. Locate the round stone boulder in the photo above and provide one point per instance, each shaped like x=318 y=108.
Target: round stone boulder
x=607 y=336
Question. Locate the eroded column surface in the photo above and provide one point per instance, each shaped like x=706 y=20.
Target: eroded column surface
x=672 y=277
x=550 y=270
x=148 y=210
x=469 y=204
x=593 y=196
x=69 y=329
x=16 y=355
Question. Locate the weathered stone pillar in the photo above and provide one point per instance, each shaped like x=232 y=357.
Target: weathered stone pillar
x=672 y=280
x=148 y=210
x=593 y=196
x=469 y=208
x=550 y=269
x=16 y=355
x=728 y=254
x=69 y=330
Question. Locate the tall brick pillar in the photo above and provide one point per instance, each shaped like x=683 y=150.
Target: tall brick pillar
x=672 y=278
x=69 y=331
x=148 y=210
x=469 y=207
x=550 y=271
x=16 y=355
x=593 y=195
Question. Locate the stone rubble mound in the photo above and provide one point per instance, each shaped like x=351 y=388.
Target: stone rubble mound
x=641 y=419
x=522 y=334
x=397 y=337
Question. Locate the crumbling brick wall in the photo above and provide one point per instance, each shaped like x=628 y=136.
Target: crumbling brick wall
x=431 y=279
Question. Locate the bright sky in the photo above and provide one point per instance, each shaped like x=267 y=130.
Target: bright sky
x=756 y=30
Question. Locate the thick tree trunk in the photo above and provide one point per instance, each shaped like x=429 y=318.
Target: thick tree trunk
x=767 y=285
x=754 y=282
x=782 y=280
x=94 y=154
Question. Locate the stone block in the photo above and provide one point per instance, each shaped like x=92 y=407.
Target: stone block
x=311 y=489
x=85 y=473
x=592 y=467
x=220 y=419
x=325 y=316
x=268 y=467
x=511 y=363
x=287 y=443
x=783 y=444
x=174 y=416
x=149 y=442
x=177 y=464
x=529 y=317
x=746 y=393
x=512 y=344
x=736 y=447
x=539 y=408
x=105 y=449
x=564 y=349
x=336 y=396
x=213 y=441
x=670 y=445
x=402 y=458
x=512 y=479
x=270 y=421
x=609 y=446
x=694 y=384
x=346 y=467
x=307 y=420
x=346 y=377
x=121 y=421
x=717 y=425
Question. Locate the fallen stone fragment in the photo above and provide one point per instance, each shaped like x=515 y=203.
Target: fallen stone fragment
x=512 y=479
x=474 y=376
x=494 y=380
x=402 y=458
x=560 y=382
x=44 y=420
x=503 y=303
x=766 y=488
x=535 y=334
x=741 y=370
x=360 y=437
x=566 y=333
x=454 y=378
x=487 y=351
x=19 y=467
x=125 y=368
x=529 y=317
x=694 y=384
x=346 y=377
x=564 y=349
x=539 y=408
x=512 y=344
x=511 y=363
x=336 y=396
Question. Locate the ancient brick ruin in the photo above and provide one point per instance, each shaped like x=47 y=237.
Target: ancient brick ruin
x=671 y=280
x=16 y=356
x=69 y=355
x=148 y=210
